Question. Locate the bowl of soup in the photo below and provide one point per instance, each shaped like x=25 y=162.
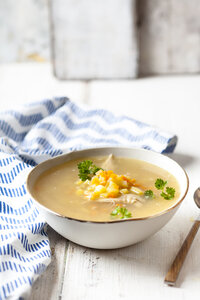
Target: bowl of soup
x=108 y=197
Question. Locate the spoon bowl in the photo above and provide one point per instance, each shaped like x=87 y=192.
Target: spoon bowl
x=197 y=197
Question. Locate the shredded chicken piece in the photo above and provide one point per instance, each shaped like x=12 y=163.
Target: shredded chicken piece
x=108 y=163
x=128 y=198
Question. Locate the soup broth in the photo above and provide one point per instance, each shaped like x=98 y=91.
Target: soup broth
x=58 y=189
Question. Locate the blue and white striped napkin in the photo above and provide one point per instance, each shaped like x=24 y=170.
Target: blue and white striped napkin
x=30 y=135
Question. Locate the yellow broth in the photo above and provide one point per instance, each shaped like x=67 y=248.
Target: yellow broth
x=56 y=190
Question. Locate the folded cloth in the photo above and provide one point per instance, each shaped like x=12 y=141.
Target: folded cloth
x=30 y=135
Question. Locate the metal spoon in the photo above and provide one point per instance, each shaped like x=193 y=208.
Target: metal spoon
x=175 y=268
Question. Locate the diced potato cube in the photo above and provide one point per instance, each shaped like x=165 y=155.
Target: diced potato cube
x=91 y=187
x=124 y=184
x=94 y=196
x=136 y=190
x=95 y=180
x=113 y=194
x=113 y=185
x=79 y=182
x=104 y=195
x=110 y=173
x=124 y=191
x=86 y=182
x=113 y=190
x=118 y=181
x=100 y=172
x=100 y=189
x=102 y=180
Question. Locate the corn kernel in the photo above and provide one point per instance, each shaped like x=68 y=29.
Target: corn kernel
x=124 y=191
x=136 y=190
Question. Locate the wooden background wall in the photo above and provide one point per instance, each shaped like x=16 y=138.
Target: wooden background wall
x=24 y=31
x=163 y=38
x=103 y=39
x=94 y=39
x=169 y=36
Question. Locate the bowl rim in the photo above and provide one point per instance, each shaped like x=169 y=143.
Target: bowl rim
x=111 y=221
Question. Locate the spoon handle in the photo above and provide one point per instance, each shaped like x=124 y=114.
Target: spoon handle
x=175 y=268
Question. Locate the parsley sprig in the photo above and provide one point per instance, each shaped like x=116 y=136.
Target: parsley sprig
x=87 y=169
x=167 y=193
x=160 y=183
x=122 y=212
x=149 y=194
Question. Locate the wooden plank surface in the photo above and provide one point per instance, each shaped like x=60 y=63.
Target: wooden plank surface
x=135 y=270
x=78 y=272
x=94 y=39
x=49 y=285
x=169 y=36
x=175 y=268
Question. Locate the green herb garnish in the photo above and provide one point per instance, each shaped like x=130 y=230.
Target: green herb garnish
x=122 y=212
x=160 y=184
x=149 y=194
x=169 y=193
x=87 y=169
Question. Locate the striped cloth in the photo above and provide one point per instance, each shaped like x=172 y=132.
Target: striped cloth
x=30 y=135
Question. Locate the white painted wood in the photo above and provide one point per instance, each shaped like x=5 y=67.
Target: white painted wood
x=94 y=39
x=169 y=36
x=24 y=31
x=49 y=284
x=136 y=272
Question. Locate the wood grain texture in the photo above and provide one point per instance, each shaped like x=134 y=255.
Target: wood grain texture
x=135 y=271
x=24 y=31
x=94 y=39
x=49 y=284
x=169 y=36
x=176 y=266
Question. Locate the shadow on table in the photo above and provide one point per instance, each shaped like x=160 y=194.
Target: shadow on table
x=148 y=259
x=182 y=159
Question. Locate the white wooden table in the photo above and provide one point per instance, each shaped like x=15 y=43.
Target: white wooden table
x=136 y=272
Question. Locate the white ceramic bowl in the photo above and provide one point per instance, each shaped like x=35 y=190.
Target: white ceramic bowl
x=113 y=234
